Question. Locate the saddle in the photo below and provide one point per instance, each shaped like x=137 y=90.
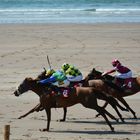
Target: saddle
x=58 y=91
x=65 y=91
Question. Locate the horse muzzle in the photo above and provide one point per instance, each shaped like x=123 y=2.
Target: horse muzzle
x=16 y=93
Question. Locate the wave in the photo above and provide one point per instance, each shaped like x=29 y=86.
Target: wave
x=67 y=13
x=90 y=9
x=71 y=9
x=111 y=9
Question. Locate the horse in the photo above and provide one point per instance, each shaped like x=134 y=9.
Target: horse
x=104 y=84
x=100 y=96
x=83 y=95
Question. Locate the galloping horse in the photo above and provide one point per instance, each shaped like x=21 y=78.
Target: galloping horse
x=105 y=85
x=100 y=96
x=83 y=95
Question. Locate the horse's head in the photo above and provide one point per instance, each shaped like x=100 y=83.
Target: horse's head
x=24 y=86
x=42 y=75
x=94 y=74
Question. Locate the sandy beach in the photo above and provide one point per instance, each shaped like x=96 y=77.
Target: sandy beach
x=23 y=53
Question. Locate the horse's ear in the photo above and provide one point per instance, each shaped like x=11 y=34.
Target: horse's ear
x=93 y=70
x=44 y=69
x=28 y=79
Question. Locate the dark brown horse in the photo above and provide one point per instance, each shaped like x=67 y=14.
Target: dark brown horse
x=105 y=85
x=83 y=95
x=100 y=96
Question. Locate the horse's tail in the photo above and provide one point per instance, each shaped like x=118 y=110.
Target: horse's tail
x=137 y=79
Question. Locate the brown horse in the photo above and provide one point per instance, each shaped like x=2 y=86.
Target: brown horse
x=100 y=96
x=84 y=95
x=105 y=85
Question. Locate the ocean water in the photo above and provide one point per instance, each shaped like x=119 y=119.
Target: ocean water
x=69 y=11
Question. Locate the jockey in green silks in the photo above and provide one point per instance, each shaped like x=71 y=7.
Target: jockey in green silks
x=57 y=78
x=63 y=77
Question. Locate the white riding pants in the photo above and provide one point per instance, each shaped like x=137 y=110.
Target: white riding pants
x=124 y=75
x=64 y=83
x=74 y=78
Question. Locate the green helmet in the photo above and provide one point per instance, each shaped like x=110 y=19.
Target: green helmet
x=65 y=66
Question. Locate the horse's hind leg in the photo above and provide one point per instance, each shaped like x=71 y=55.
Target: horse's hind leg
x=127 y=106
x=114 y=104
x=91 y=102
x=110 y=115
x=64 y=116
x=118 y=105
x=101 y=111
x=119 y=114
x=37 y=108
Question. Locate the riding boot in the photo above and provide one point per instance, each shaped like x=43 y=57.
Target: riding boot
x=119 y=83
x=114 y=85
x=57 y=90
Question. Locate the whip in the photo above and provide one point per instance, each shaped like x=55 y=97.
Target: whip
x=49 y=62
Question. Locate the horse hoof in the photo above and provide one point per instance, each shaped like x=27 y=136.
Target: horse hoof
x=117 y=120
x=112 y=129
x=43 y=130
x=97 y=115
x=126 y=110
x=62 y=120
x=123 y=120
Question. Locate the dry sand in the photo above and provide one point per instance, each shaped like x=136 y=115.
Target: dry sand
x=23 y=52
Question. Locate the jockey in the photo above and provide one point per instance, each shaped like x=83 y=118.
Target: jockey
x=72 y=73
x=122 y=72
x=57 y=78
x=63 y=77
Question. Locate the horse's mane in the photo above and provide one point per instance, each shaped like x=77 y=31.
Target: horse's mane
x=99 y=74
x=42 y=75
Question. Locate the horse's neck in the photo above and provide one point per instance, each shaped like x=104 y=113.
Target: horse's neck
x=85 y=82
x=37 y=89
x=98 y=73
x=109 y=77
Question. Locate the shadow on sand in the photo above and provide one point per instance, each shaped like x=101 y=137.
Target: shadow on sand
x=93 y=132
x=127 y=121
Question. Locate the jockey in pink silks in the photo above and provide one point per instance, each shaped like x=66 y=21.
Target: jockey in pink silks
x=122 y=72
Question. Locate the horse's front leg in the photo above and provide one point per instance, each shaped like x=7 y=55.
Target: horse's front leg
x=104 y=106
x=48 y=112
x=36 y=108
